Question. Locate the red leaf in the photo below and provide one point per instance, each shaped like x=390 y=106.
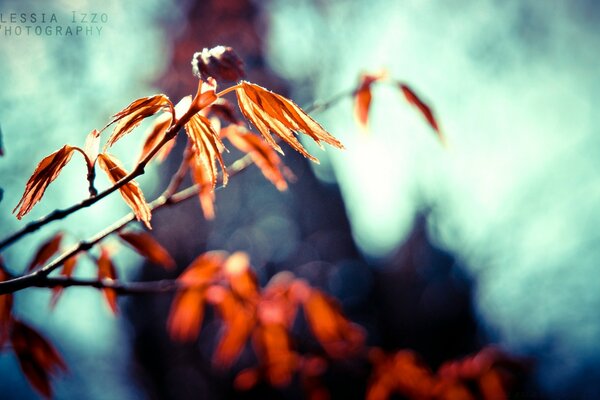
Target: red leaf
x=47 y=250
x=206 y=146
x=270 y=112
x=132 y=115
x=187 y=309
x=6 y=302
x=272 y=345
x=265 y=158
x=206 y=192
x=38 y=359
x=413 y=99
x=46 y=171
x=362 y=98
x=91 y=148
x=241 y=278
x=107 y=271
x=66 y=271
x=131 y=192
x=148 y=247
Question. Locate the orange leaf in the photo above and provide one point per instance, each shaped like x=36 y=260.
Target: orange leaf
x=205 y=95
x=6 y=301
x=261 y=153
x=206 y=144
x=46 y=171
x=148 y=247
x=241 y=278
x=91 y=148
x=362 y=98
x=132 y=115
x=187 y=309
x=107 y=271
x=238 y=321
x=272 y=345
x=413 y=99
x=270 y=112
x=131 y=192
x=335 y=333
x=38 y=359
x=66 y=271
x=47 y=250
x=155 y=133
x=206 y=194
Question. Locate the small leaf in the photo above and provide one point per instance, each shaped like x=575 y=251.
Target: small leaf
x=187 y=309
x=238 y=320
x=272 y=345
x=218 y=62
x=148 y=247
x=46 y=171
x=132 y=115
x=335 y=333
x=270 y=112
x=154 y=134
x=206 y=148
x=6 y=302
x=66 y=271
x=265 y=158
x=362 y=98
x=241 y=277
x=107 y=271
x=425 y=110
x=47 y=250
x=205 y=96
x=206 y=193
x=131 y=192
x=224 y=110
x=91 y=148
x=38 y=359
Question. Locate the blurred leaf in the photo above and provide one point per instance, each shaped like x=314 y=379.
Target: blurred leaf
x=6 y=302
x=38 y=359
x=107 y=271
x=425 y=110
x=46 y=250
x=187 y=309
x=132 y=115
x=131 y=192
x=265 y=158
x=269 y=111
x=46 y=171
x=66 y=271
x=148 y=247
x=362 y=98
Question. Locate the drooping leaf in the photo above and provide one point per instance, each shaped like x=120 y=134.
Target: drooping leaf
x=46 y=171
x=362 y=98
x=6 y=301
x=91 y=148
x=206 y=193
x=66 y=271
x=38 y=359
x=272 y=345
x=265 y=158
x=241 y=277
x=187 y=309
x=148 y=247
x=47 y=250
x=205 y=95
x=224 y=110
x=132 y=115
x=154 y=134
x=333 y=331
x=107 y=271
x=206 y=146
x=425 y=110
x=131 y=192
x=238 y=319
x=218 y=62
x=270 y=112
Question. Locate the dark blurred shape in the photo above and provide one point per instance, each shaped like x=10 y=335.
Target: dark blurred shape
x=219 y=62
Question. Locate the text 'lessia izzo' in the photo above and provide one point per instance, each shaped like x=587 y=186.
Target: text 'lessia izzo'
x=75 y=23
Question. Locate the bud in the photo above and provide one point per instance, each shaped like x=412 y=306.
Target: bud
x=219 y=62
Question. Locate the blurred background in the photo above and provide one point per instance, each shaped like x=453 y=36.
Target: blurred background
x=493 y=240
